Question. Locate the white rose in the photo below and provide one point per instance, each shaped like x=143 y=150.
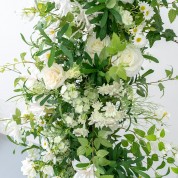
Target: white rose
x=127 y=18
x=96 y=45
x=53 y=77
x=131 y=58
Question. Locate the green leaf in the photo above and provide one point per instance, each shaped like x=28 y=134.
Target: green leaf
x=139 y=132
x=153 y=36
x=162 y=133
x=52 y=56
x=150 y=71
x=161 y=87
x=116 y=15
x=103 y=162
x=115 y=45
x=154 y=157
x=124 y=143
x=94 y=9
x=151 y=58
x=169 y=35
x=151 y=130
x=97 y=143
x=83 y=165
x=105 y=142
x=44 y=100
x=140 y=172
x=161 y=146
x=83 y=141
x=116 y=72
x=81 y=150
x=107 y=176
x=151 y=137
x=130 y=137
x=23 y=38
x=162 y=165
x=172 y=15
x=67 y=53
x=62 y=31
x=110 y=4
x=174 y=169
x=102 y=153
x=42 y=32
x=170 y=160
x=104 y=19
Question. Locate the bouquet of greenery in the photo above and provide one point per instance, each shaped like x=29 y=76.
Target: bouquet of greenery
x=86 y=91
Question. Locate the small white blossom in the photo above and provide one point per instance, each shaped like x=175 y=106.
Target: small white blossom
x=80 y=132
x=140 y=41
x=110 y=109
x=48 y=156
x=48 y=170
x=44 y=144
x=88 y=172
x=28 y=168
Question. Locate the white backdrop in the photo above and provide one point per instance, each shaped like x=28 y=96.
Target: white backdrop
x=11 y=46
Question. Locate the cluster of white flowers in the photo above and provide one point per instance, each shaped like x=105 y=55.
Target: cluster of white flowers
x=147 y=10
x=106 y=116
x=116 y=89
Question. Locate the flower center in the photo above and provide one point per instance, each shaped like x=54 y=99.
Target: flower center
x=142 y=8
x=138 y=40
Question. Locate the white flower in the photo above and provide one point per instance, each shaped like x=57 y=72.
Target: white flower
x=44 y=144
x=70 y=121
x=110 y=109
x=94 y=45
x=140 y=41
x=144 y=6
x=64 y=7
x=73 y=73
x=51 y=32
x=53 y=77
x=48 y=170
x=28 y=168
x=28 y=14
x=81 y=132
x=98 y=119
x=14 y=131
x=112 y=90
x=147 y=10
x=88 y=172
x=131 y=58
x=48 y=156
x=148 y=14
x=57 y=139
x=137 y=29
x=97 y=105
x=127 y=18
x=127 y=1
x=168 y=147
x=36 y=109
x=162 y=114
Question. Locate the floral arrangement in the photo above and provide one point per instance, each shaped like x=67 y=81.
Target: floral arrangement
x=88 y=112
